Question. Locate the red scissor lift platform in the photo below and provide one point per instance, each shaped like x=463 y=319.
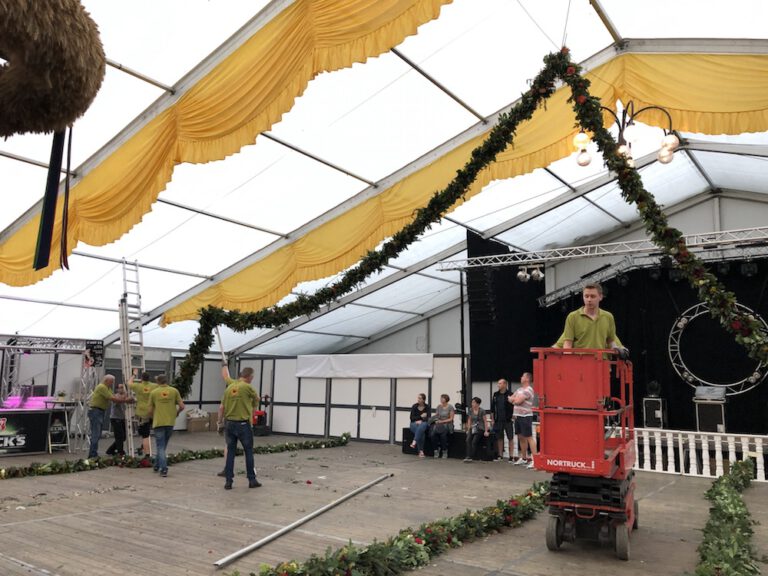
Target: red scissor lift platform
x=587 y=442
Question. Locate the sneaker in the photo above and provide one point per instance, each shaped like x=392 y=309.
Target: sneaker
x=228 y=486
x=444 y=456
x=254 y=484
x=519 y=462
x=222 y=474
x=498 y=459
x=467 y=459
x=530 y=465
x=164 y=473
x=421 y=453
x=156 y=469
x=413 y=444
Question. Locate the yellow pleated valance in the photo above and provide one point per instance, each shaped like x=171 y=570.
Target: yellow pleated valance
x=242 y=96
x=711 y=94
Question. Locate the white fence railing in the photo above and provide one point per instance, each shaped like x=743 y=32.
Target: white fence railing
x=705 y=454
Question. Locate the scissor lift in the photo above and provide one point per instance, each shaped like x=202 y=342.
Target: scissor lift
x=587 y=442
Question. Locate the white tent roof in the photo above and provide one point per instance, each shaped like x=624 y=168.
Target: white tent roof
x=365 y=123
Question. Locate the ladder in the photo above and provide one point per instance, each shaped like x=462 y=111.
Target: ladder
x=131 y=339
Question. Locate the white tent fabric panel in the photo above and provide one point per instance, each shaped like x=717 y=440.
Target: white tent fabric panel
x=736 y=172
x=413 y=117
x=255 y=186
x=567 y=225
x=688 y=18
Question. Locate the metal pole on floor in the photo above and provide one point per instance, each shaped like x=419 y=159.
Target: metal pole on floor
x=248 y=549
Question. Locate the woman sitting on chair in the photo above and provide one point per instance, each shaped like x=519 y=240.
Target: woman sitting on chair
x=442 y=426
x=419 y=423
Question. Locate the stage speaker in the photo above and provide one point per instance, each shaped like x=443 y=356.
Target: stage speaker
x=710 y=416
x=654 y=413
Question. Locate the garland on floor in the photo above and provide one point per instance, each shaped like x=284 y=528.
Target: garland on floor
x=411 y=548
x=82 y=465
x=722 y=304
x=726 y=549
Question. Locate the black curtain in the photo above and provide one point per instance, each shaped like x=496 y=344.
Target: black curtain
x=645 y=305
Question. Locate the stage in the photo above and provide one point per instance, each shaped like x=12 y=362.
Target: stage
x=128 y=521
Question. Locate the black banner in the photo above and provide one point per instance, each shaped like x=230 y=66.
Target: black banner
x=95 y=349
x=23 y=431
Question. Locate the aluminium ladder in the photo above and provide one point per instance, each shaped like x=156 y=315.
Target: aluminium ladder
x=131 y=338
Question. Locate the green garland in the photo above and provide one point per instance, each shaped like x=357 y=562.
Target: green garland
x=722 y=303
x=726 y=549
x=82 y=465
x=411 y=548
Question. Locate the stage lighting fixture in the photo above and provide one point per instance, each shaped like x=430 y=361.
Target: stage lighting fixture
x=654 y=273
x=675 y=274
x=748 y=269
x=523 y=275
x=537 y=275
x=723 y=268
x=622 y=280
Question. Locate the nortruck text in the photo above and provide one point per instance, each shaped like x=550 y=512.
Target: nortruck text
x=571 y=463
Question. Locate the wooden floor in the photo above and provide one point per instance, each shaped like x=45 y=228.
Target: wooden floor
x=119 y=521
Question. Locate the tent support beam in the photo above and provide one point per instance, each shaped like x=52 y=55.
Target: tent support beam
x=322 y=161
x=140 y=76
x=440 y=86
x=607 y=22
x=573 y=189
x=32 y=162
x=219 y=217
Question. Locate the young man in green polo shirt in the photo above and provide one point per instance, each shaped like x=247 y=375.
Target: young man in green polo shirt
x=591 y=326
x=142 y=390
x=165 y=404
x=237 y=406
x=100 y=399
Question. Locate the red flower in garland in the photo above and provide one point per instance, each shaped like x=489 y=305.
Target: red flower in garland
x=571 y=70
x=418 y=540
x=514 y=503
x=508 y=519
x=428 y=530
x=736 y=325
x=580 y=99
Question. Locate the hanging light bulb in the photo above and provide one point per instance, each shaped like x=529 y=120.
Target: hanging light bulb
x=670 y=141
x=580 y=141
x=523 y=275
x=665 y=155
x=624 y=150
x=584 y=158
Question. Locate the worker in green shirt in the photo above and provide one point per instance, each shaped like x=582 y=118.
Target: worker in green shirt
x=590 y=326
x=100 y=399
x=236 y=409
x=142 y=390
x=165 y=404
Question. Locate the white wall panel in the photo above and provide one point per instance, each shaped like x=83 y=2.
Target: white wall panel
x=213 y=383
x=313 y=390
x=402 y=420
x=374 y=424
x=375 y=392
x=444 y=331
x=284 y=419
x=483 y=391
x=266 y=377
x=344 y=391
x=737 y=214
x=406 y=341
x=286 y=383
x=409 y=388
x=447 y=379
x=343 y=420
x=312 y=421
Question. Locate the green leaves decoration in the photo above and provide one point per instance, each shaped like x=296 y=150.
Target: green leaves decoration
x=82 y=465
x=412 y=548
x=557 y=66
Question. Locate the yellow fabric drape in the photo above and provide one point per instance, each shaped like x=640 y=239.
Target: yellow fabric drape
x=242 y=96
x=703 y=93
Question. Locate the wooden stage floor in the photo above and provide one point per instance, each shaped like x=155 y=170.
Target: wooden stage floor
x=120 y=521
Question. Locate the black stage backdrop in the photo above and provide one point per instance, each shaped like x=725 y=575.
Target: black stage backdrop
x=506 y=322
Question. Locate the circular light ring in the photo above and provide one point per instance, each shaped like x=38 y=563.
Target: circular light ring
x=675 y=355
